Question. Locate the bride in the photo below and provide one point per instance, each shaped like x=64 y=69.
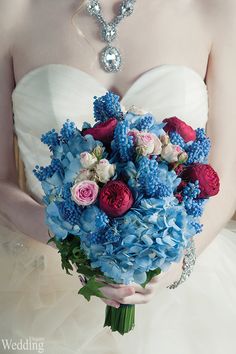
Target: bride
x=178 y=58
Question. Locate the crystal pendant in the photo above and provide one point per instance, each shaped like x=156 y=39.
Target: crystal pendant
x=110 y=59
x=94 y=8
x=127 y=8
x=108 y=33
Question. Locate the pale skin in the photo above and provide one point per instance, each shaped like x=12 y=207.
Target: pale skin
x=200 y=34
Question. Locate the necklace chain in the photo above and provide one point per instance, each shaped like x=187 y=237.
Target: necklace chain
x=110 y=57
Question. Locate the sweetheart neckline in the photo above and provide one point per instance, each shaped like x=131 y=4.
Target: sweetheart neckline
x=141 y=76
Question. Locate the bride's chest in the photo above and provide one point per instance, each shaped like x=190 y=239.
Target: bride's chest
x=153 y=35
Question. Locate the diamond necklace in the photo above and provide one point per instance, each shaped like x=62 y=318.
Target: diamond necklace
x=110 y=57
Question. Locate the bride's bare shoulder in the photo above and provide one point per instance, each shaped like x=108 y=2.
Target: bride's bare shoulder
x=10 y=17
x=220 y=13
x=9 y=11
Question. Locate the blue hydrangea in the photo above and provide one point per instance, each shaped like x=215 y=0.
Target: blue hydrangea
x=57 y=223
x=148 y=237
x=144 y=121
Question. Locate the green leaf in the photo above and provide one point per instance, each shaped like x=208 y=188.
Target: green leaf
x=67 y=266
x=150 y=275
x=91 y=288
x=88 y=271
x=52 y=239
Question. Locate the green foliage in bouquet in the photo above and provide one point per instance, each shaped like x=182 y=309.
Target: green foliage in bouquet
x=71 y=254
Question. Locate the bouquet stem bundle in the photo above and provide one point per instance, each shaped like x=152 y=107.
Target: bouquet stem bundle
x=120 y=319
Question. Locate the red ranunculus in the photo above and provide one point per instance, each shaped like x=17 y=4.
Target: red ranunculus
x=179 y=169
x=103 y=131
x=175 y=124
x=115 y=198
x=209 y=182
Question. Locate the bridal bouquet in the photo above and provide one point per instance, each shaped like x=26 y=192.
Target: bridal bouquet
x=124 y=197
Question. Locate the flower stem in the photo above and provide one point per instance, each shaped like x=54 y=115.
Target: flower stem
x=120 y=319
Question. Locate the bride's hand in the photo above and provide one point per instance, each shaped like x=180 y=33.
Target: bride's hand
x=135 y=293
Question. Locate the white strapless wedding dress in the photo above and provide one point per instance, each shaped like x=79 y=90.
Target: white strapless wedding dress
x=39 y=301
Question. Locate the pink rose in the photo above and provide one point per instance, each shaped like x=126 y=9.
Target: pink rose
x=146 y=143
x=85 y=192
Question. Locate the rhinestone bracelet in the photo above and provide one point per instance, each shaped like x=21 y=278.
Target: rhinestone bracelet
x=188 y=264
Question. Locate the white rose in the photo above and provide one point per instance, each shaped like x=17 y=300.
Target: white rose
x=105 y=170
x=84 y=174
x=171 y=152
x=157 y=145
x=123 y=108
x=137 y=110
x=87 y=160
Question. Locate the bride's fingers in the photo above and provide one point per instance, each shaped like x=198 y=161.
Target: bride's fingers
x=123 y=296
x=101 y=279
x=117 y=293
x=112 y=303
x=137 y=298
x=138 y=288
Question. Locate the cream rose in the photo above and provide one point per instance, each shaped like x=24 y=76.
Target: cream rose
x=88 y=160
x=104 y=170
x=84 y=174
x=171 y=152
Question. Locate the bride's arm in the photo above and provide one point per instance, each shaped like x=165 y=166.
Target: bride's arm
x=17 y=207
x=221 y=128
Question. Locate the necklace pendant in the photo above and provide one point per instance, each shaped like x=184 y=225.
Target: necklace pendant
x=94 y=8
x=127 y=7
x=108 y=32
x=110 y=59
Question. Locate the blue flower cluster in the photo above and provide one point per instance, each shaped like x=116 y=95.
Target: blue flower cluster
x=176 y=139
x=155 y=179
x=156 y=229
x=198 y=150
x=62 y=213
x=123 y=143
x=151 y=236
x=107 y=106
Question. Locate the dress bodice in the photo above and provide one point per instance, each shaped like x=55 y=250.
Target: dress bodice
x=46 y=96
